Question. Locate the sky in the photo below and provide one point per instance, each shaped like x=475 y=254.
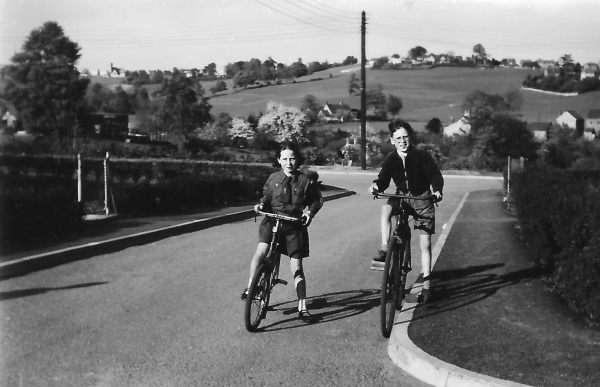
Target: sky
x=164 y=34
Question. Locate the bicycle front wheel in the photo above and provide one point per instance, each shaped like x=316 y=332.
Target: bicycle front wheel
x=257 y=300
x=389 y=287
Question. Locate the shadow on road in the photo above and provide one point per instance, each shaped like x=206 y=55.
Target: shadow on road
x=458 y=288
x=327 y=307
x=35 y=291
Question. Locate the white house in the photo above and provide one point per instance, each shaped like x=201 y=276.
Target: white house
x=590 y=70
x=9 y=116
x=539 y=130
x=592 y=122
x=570 y=119
x=459 y=127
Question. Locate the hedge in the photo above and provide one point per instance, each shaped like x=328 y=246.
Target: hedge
x=559 y=215
x=38 y=194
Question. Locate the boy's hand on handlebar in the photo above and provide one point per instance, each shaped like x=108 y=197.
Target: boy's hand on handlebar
x=437 y=196
x=374 y=189
x=258 y=207
x=306 y=219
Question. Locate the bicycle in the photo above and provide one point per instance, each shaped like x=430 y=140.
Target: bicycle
x=394 y=274
x=266 y=276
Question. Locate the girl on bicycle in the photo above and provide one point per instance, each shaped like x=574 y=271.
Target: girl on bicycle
x=288 y=192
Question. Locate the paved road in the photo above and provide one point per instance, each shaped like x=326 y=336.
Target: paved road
x=168 y=313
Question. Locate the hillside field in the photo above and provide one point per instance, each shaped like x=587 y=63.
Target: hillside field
x=425 y=93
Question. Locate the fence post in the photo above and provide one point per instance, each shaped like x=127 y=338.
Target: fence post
x=79 y=183
x=106 y=211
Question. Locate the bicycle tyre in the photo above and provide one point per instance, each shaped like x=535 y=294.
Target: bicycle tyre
x=257 y=300
x=389 y=288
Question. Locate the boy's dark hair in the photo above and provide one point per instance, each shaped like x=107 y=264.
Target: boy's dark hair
x=398 y=124
x=294 y=148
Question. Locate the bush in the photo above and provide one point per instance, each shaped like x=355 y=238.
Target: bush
x=559 y=214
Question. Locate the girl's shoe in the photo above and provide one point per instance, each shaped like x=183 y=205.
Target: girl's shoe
x=306 y=316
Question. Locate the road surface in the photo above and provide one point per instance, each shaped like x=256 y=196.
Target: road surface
x=169 y=314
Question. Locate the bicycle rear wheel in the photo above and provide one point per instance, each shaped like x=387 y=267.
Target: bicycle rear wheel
x=389 y=287
x=257 y=300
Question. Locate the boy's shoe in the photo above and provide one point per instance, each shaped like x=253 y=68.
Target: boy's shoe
x=244 y=294
x=378 y=261
x=426 y=296
x=380 y=257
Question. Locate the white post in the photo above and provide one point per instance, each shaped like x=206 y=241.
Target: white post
x=79 y=193
x=106 y=211
x=508 y=179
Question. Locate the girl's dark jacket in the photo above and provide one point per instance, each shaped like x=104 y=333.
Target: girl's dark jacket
x=304 y=193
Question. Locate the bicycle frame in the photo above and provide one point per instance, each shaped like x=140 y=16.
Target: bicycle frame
x=260 y=290
x=395 y=273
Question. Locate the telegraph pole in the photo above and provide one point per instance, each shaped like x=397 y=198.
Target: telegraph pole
x=363 y=96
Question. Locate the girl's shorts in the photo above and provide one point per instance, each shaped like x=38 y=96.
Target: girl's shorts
x=294 y=238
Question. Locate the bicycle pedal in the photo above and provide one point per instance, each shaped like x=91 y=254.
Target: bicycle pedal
x=280 y=281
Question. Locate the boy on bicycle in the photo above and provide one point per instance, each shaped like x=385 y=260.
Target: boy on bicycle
x=414 y=173
x=288 y=192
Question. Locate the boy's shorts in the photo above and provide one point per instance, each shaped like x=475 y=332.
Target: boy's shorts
x=294 y=238
x=422 y=212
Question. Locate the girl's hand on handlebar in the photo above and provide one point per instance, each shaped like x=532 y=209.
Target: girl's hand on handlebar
x=437 y=196
x=258 y=207
x=373 y=189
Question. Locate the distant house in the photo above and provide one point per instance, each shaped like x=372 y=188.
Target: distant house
x=592 y=122
x=589 y=134
x=551 y=71
x=543 y=63
x=509 y=62
x=334 y=112
x=396 y=59
x=9 y=116
x=539 y=130
x=429 y=59
x=590 y=70
x=460 y=127
x=572 y=120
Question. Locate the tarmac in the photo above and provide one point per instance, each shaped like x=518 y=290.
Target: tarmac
x=410 y=351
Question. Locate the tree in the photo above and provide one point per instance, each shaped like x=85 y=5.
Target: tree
x=240 y=130
x=417 y=52
x=381 y=62
x=434 y=126
x=514 y=100
x=353 y=85
x=283 y=123
x=298 y=68
x=350 y=60
x=375 y=101
x=219 y=86
x=394 y=104
x=482 y=107
x=210 y=70
x=183 y=107
x=479 y=52
x=44 y=85
x=244 y=79
x=310 y=107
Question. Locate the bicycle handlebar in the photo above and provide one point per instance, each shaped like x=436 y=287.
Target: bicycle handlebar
x=280 y=217
x=377 y=195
